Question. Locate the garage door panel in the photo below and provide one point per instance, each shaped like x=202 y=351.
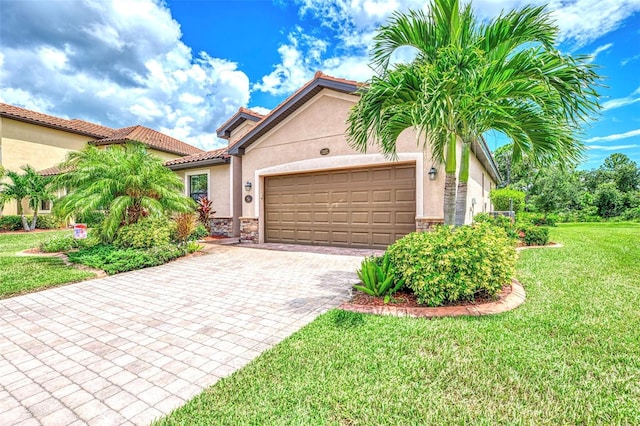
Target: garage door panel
x=382 y=196
x=405 y=195
x=367 y=207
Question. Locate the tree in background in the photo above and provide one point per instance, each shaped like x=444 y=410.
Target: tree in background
x=469 y=78
x=124 y=181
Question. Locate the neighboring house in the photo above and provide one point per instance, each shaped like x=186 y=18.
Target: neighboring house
x=291 y=177
x=43 y=141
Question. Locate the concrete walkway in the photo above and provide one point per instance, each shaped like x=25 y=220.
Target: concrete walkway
x=130 y=348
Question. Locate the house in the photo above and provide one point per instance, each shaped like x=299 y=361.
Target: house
x=43 y=141
x=291 y=177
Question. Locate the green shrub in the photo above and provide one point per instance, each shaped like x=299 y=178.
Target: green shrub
x=450 y=265
x=49 y=221
x=193 y=246
x=537 y=219
x=113 y=260
x=59 y=244
x=144 y=234
x=503 y=198
x=500 y=221
x=378 y=277
x=10 y=223
x=199 y=233
x=533 y=235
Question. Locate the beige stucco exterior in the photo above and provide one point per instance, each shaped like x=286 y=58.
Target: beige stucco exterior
x=219 y=186
x=42 y=147
x=294 y=145
x=38 y=146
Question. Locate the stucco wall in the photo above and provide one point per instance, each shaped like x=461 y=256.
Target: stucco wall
x=241 y=130
x=38 y=146
x=294 y=145
x=219 y=186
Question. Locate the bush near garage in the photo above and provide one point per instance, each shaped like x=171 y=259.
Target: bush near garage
x=449 y=265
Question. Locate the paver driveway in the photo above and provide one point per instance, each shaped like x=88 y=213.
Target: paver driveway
x=132 y=347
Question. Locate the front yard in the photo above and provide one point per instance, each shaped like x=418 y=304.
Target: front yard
x=569 y=355
x=23 y=274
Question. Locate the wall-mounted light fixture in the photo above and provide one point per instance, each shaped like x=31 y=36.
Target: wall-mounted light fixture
x=248 y=186
x=432 y=173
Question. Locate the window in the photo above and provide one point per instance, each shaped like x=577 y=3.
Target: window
x=198 y=186
x=45 y=205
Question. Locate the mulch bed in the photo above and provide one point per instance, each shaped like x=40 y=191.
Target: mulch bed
x=406 y=299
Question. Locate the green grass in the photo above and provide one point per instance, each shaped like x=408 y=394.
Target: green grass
x=569 y=355
x=24 y=274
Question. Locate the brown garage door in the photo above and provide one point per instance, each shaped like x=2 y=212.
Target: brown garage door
x=366 y=207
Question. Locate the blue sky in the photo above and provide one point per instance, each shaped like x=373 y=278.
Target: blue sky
x=184 y=66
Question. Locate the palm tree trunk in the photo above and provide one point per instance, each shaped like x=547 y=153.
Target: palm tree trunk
x=35 y=219
x=450 y=199
x=25 y=224
x=450 y=182
x=463 y=179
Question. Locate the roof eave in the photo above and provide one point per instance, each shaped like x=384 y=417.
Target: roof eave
x=225 y=130
x=201 y=163
x=487 y=159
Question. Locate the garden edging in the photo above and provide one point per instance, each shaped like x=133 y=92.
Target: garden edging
x=512 y=296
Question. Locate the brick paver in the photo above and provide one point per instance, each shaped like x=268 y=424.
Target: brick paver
x=130 y=348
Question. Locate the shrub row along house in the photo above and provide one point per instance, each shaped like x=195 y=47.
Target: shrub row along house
x=289 y=176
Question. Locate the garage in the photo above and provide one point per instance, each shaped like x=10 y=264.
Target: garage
x=365 y=207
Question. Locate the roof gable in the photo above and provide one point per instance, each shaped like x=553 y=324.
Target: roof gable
x=290 y=105
x=236 y=120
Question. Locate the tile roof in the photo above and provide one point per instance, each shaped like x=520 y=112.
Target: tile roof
x=105 y=135
x=75 y=126
x=151 y=138
x=51 y=171
x=293 y=102
x=203 y=157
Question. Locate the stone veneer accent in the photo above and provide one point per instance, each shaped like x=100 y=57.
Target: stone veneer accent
x=249 y=229
x=427 y=223
x=221 y=227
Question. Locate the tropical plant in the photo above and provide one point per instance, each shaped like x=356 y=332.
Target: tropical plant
x=184 y=226
x=378 y=278
x=125 y=182
x=506 y=199
x=469 y=78
x=205 y=211
x=21 y=186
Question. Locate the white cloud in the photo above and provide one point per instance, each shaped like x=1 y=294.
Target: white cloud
x=599 y=49
x=613 y=147
x=260 y=110
x=616 y=136
x=300 y=58
x=621 y=102
x=117 y=63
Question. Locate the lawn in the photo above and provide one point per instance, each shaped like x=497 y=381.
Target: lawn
x=569 y=355
x=23 y=274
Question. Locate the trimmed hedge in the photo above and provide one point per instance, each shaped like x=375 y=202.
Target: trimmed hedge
x=451 y=265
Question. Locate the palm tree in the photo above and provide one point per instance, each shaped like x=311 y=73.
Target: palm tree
x=16 y=189
x=38 y=190
x=469 y=78
x=125 y=181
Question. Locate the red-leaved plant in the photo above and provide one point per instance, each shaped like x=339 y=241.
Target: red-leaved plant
x=205 y=211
